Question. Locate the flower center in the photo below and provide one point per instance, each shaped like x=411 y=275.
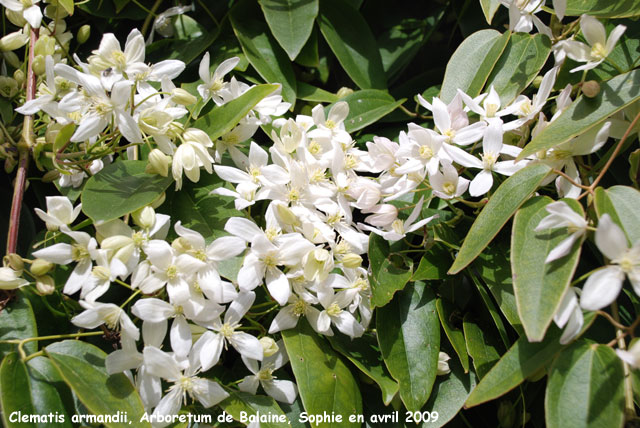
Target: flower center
x=216 y=85
x=119 y=59
x=425 y=152
x=449 y=188
x=330 y=124
x=299 y=307
x=598 y=51
x=227 y=330
x=172 y=272
x=111 y=318
x=334 y=310
x=626 y=264
x=101 y=272
x=270 y=260
x=361 y=284
x=398 y=226
x=314 y=147
x=138 y=238
x=491 y=109
x=488 y=160
x=265 y=374
x=78 y=252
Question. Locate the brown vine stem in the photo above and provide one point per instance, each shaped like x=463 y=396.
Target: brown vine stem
x=24 y=152
x=613 y=156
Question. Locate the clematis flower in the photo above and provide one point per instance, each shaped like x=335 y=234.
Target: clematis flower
x=604 y=285
x=29 y=9
x=452 y=122
x=561 y=215
x=60 y=212
x=522 y=16
x=400 y=228
x=599 y=46
x=569 y=316
x=96 y=314
x=213 y=84
x=191 y=155
x=10 y=279
x=447 y=184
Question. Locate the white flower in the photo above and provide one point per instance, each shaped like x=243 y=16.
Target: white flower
x=604 y=285
x=214 y=84
x=561 y=215
x=569 y=314
x=443 y=364
x=400 y=228
x=28 y=8
x=333 y=127
x=528 y=109
x=112 y=316
x=522 y=16
x=112 y=61
x=448 y=184
x=599 y=45
x=452 y=122
x=191 y=155
x=60 y=212
x=334 y=312
x=631 y=356
x=281 y=390
x=10 y=279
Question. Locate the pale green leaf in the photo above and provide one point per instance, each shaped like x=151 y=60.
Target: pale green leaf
x=622 y=204
x=291 y=22
x=489 y=8
x=366 y=107
x=18 y=314
x=603 y=8
x=239 y=404
x=386 y=278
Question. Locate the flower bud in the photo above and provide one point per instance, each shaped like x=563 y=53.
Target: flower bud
x=351 y=260
x=158 y=163
x=10 y=279
x=12 y=59
x=39 y=65
x=590 y=88
x=182 y=97
x=13 y=41
x=317 y=264
x=18 y=75
x=159 y=201
x=144 y=217
x=83 y=34
x=344 y=91
x=443 y=365
x=181 y=245
x=269 y=346
x=8 y=86
x=46 y=45
x=286 y=215
x=383 y=215
x=14 y=261
x=45 y=285
x=51 y=176
x=41 y=267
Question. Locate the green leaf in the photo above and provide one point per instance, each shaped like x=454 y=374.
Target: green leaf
x=14 y=390
x=366 y=107
x=352 y=41
x=540 y=286
x=585 y=387
x=311 y=93
x=63 y=136
x=81 y=365
x=386 y=278
x=505 y=201
x=291 y=22
x=449 y=394
x=433 y=264
x=480 y=346
x=621 y=203
x=454 y=334
x=324 y=382
x=521 y=361
x=18 y=314
x=586 y=113
x=198 y=210
x=409 y=336
x=119 y=189
x=224 y=118
x=492 y=310
x=489 y=8
x=603 y=8
x=262 y=50
x=251 y=405
x=67 y=5
x=364 y=353
x=519 y=64
x=472 y=63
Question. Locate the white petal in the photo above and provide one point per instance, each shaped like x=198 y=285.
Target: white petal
x=593 y=30
x=602 y=288
x=208 y=392
x=610 y=239
x=153 y=310
x=247 y=345
x=180 y=335
x=481 y=184
x=284 y=391
x=59 y=254
x=161 y=364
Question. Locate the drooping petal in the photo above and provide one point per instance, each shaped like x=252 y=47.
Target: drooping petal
x=602 y=288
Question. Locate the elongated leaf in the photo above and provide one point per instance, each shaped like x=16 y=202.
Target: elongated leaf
x=519 y=64
x=262 y=50
x=539 y=287
x=492 y=310
x=481 y=347
x=18 y=322
x=223 y=119
x=621 y=203
x=454 y=334
x=505 y=201
x=14 y=391
x=324 y=382
x=472 y=63
x=433 y=264
x=587 y=113
x=242 y=406
x=409 y=337
x=449 y=394
x=311 y=93
x=352 y=41
x=291 y=22
x=121 y=188
x=386 y=278
x=364 y=353
x=603 y=8
x=521 y=361
x=489 y=8
x=366 y=107
x=585 y=388
x=81 y=365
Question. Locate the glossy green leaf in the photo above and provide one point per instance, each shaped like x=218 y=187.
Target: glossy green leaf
x=539 y=286
x=603 y=8
x=324 y=381
x=621 y=203
x=14 y=391
x=449 y=393
x=311 y=93
x=224 y=118
x=242 y=404
x=386 y=278
x=262 y=50
x=18 y=314
x=121 y=188
x=409 y=336
x=492 y=310
x=585 y=388
x=503 y=204
x=433 y=264
x=364 y=353
x=366 y=107
x=587 y=113
x=489 y=8
x=481 y=346
x=67 y=5
x=446 y=314
x=291 y=22
x=81 y=365
x=520 y=62
x=472 y=63
x=352 y=42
